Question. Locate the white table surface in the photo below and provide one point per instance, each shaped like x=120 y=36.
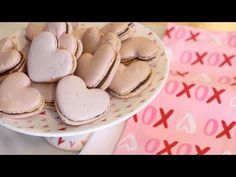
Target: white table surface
x=16 y=143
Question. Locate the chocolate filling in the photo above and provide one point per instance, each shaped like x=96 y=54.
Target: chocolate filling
x=130 y=25
x=21 y=113
x=141 y=83
x=107 y=74
x=136 y=88
x=67 y=28
x=17 y=66
x=79 y=121
x=27 y=39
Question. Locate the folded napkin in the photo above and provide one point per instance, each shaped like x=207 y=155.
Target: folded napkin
x=195 y=111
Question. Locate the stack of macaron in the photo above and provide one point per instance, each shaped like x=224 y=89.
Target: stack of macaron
x=74 y=69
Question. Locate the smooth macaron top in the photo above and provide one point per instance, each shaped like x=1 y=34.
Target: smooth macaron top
x=93 y=68
x=122 y=29
x=91 y=40
x=47 y=90
x=33 y=29
x=77 y=103
x=70 y=43
x=9 y=57
x=138 y=47
x=113 y=39
x=47 y=63
x=127 y=78
x=16 y=95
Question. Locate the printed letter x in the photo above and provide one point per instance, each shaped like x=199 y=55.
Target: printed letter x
x=186 y=90
x=164 y=118
x=168 y=147
x=226 y=129
x=193 y=36
x=168 y=31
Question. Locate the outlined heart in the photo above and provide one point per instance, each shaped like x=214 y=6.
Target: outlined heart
x=232 y=102
x=203 y=77
x=129 y=143
x=187 y=124
x=47 y=63
x=226 y=152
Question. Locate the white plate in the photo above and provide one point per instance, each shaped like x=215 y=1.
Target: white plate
x=48 y=124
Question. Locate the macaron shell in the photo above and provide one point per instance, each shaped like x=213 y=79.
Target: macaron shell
x=47 y=90
x=16 y=95
x=20 y=67
x=123 y=30
x=33 y=29
x=79 y=49
x=112 y=39
x=77 y=104
x=91 y=40
x=136 y=92
x=9 y=59
x=26 y=114
x=76 y=25
x=68 y=42
x=114 y=27
x=79 y=33
x=112 y=73
x=47 y=63
x=6 y=44
x=131 y=49
x=127 y=78
x=57 y=28
x=92 y=69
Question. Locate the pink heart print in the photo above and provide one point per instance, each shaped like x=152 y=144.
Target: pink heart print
x=194 y=113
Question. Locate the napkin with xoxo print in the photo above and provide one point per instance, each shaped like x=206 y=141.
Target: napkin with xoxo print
x=195 y=111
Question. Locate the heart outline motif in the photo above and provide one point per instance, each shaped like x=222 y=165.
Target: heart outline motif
x=203 y=77
x=129 y=143
x=187 y=124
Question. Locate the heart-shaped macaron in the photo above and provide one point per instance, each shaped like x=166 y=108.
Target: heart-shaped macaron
x=123 y=30
x=70 y=43
x=77 y=105
x=11 y=60
x=33 y=29
x=131 y=79
x=47 y=63
x=80 y=32
x=91 y=40
x=17 y=98
x=57 y=28
x=131 y=49
x=48 y=91
x=113 y=39
x=98 y=70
